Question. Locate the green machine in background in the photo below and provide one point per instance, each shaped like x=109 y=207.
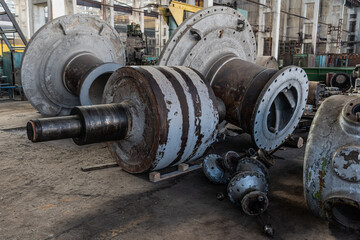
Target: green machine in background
x=11 y=67
x=319 y=74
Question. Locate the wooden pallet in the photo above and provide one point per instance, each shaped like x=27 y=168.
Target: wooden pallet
x=182 y=169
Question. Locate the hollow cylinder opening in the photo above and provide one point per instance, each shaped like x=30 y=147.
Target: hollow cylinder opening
x=282 y=110
x=346 y=215
x=94 y=82
x=76 y=69
x=97 y=88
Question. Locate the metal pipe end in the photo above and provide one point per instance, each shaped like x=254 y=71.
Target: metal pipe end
x=31 y=130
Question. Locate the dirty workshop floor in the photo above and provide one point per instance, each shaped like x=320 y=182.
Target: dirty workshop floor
x=45 y=195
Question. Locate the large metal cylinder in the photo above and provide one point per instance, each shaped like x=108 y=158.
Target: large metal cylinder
x=68 y=61
x=264 y=102
x=155 y=116
x=332 y=162
x=174 y=116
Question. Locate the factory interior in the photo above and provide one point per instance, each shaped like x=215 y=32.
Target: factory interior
x=186 y=119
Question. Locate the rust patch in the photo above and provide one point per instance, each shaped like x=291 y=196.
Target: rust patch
x=197 y=108
x=351 y=158
x=322 y=174
x=184 y=109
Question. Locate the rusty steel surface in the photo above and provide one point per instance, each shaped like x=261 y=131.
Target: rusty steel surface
x=314 y=93
x=264 y=102
x=52 y=48
x=156 y=117
x=174 y=116
x=85 y=125
x=332 y=162
x=76 y=68
x=268 y=62
x=198 y=42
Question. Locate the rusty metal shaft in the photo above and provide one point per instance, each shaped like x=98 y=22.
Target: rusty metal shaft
x=85 y=125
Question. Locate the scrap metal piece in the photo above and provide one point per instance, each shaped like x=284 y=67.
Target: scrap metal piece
x=315 y=88
x=230 y=161
x=252 y=164
x=156 y=117
x=214 y=170
x=341 y=80
x=62 y=69
x=332 y=162
x=231 y=35
x=248 y=189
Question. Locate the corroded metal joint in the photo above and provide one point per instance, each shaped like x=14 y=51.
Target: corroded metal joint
x=266 y=103
x=85 y=76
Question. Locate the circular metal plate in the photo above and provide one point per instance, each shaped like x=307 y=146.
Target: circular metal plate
x=208 y=35
x=279 y=107
x=52 y=46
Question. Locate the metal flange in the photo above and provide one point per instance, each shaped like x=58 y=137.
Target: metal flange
x=52 y=48
x=279 y=107
x=207 y=36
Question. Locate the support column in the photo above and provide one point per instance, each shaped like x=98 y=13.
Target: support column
x=108 y=12
x=340 y=27
x=70 y=7
x=315 y=25
x=22 y=11
x=208 y=3
x=142 y=23
x=261 y=32
x=276 y=28
x=303 y=24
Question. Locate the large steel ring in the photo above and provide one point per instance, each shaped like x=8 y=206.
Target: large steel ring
x=50 y=50
x=207 y=36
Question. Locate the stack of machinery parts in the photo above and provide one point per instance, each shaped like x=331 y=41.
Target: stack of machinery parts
x=332 y=162
x=158 y=109
x=247 y=180
x=135 y=45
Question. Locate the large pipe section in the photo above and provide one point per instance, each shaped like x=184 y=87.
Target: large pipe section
x=155 y=117
x=332 y=162
x=68 y=61
x=267 y=103
x=264 y=102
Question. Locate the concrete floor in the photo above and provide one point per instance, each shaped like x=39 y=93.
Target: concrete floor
x=45 y=195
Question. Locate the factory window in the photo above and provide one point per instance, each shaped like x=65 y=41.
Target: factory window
x=352 y=26
x=164 y=32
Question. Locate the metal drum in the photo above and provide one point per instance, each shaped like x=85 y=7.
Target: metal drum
x=332 y=162
x=156 y=117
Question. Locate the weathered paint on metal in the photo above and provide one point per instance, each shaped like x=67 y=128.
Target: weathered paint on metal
x=331 y=164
